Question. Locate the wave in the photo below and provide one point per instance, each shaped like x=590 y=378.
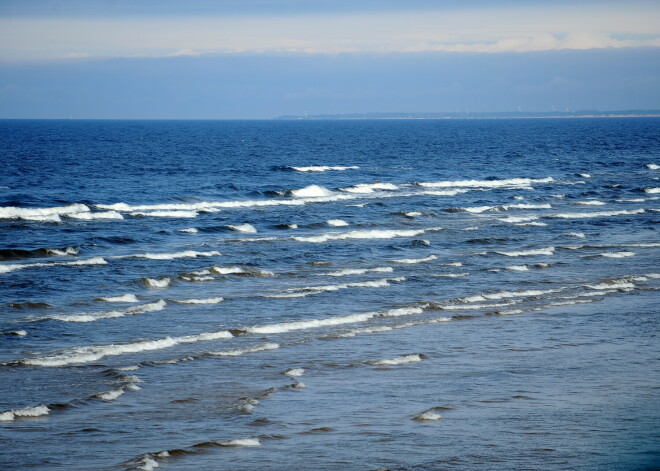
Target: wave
x=241 y=271
x=369 y=187
x=336 y=222
x=403 y=360
x=166 y=214
x=19 y=254
x=413 y=261
x=322 y=168
x=509 y=183
x=652 y=190
x=10 y=415
x=623 y=254
x=517 y=268
x=189 y=230
x=17 y=333
x=198 y=301
x=241 y=442
x=598 y=214
x=529 y=253
x=88 y=354
x=294 y=372
x=90 y=261
x=14 y=212
x=311 y=290
x=358 y=271
x=364 y=234
x=428 y=415
x=95 y=316
x=172 y=256
x=153 y=283
x=245 y=228
x=88 y=216
x=311 y=191
x=123 y=298
x=589 y=203
x=253 y=349
x=578 y=235
x=519 y=219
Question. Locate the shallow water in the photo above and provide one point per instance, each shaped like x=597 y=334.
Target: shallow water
x=329 y=295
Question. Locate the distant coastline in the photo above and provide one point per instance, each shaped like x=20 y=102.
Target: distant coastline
x=481 y=115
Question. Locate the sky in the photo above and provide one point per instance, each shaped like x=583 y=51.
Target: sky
x=256 y=59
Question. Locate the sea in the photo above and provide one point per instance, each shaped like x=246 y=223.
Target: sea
x=330 y=295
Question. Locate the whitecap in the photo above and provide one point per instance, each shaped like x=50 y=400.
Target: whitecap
x=653 y=166
x=595 y=214
x=172 y=256
x=358 y=271
x=153 y=283
x=517 y=268
x=166 y=214
x=253 y=349
x=413 y=261
x=529 y=253
x=508 y=183
x=189 y=230
x=369 y=187
x=123 y=298
x=336 y=222
x=403 y=360
x=428 y=415
x=652 y=190
x=323 y=168
x=245 y=228
x=97 y=215
x=589 y=203
x=362 y=234
x=578 y=235
x=294 y=372
x=241 y=442
x=623 y=254
x=90 y=261
x=13 y=212
x=95 y=316
x=311 y=191
x=198 y=301
x=37 y=411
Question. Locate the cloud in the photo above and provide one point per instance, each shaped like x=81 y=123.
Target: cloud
x=526 y=28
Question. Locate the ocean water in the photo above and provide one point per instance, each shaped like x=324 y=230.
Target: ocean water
x=354 y=295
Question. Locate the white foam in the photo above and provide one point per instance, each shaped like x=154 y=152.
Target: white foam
x=37 y=411
x=123 y=298
x=152 y=283
x=453 y=264
x=88 y=354
x=412 y=261
x=517 y=219
x=199 y=301
x=517 y=268
x=402 y=311
x=613 y=285
x=398 y=360
x=652 y=190
x=18 y=333
x=358 y=271
x=584 y=175
x=653 y=166
x=245 y=228
x=13 y=212
x=623 y=254
x=241 y=442
x=166 y=214
x=589 y=203
x=336 y=222
x=311 y=191
x=95 y=316
x=295 y=372
x=369 y=187
x=528 y=206
x=506 y=295
x=538 y=224
x=412 y=214
x=428 y=415
x=361 y=234
x=111 y=395
x=172 y=256
x=479 y=209
x=256 y=348
x=450 y=275
x=241 y=270
x=599 y=214
x=189 y=230
x=312 y=290
x=97 y=215
x=529 y=253
x=63 y=253
x=323 y=168
x=578 y=235
x=90 y=261
x=509 y=183
x=311 y=324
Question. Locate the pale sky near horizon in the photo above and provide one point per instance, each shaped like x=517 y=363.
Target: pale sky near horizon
x=261 y=58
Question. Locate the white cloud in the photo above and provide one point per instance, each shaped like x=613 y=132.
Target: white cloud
x=539 y=28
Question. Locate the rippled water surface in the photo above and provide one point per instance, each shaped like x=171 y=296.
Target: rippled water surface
x=409 y=295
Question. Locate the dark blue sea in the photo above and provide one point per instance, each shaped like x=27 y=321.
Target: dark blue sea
x=330 y=295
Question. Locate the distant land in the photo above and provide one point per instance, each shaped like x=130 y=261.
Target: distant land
x=480 y=115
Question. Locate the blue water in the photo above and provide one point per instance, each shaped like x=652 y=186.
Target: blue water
x=403 y=295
